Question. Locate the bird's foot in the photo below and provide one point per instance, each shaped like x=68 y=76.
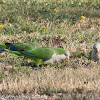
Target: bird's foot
x=36 y=67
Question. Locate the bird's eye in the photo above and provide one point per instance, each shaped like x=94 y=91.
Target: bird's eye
x=95 y=48
x=65 y=54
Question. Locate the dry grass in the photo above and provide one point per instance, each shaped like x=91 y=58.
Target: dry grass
x=53 y=80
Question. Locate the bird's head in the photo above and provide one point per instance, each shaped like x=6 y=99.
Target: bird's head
x=96 y=48
x=67 y=55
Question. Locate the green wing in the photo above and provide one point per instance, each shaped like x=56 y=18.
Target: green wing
x=23 y=46
x=44 y=53
x=26 y=46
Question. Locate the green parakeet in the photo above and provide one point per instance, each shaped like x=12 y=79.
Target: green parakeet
x=39 y=55
x=46 y=54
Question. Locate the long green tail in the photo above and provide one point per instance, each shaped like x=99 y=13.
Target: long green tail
x=2 y=50
x=9 y=51
x=15 y=52
x=3 y=46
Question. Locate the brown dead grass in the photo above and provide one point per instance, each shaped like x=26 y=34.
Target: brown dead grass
x=66 y=79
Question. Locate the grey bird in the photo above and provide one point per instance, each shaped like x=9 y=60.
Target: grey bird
x=96 y=52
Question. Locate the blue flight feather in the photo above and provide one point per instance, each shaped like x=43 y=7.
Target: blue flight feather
x=11 y=47
x=32 y=55
x=26 y=53
x=46 y=59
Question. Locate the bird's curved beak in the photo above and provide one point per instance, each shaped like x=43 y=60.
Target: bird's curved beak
x=67 y=58
x=97 y=50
